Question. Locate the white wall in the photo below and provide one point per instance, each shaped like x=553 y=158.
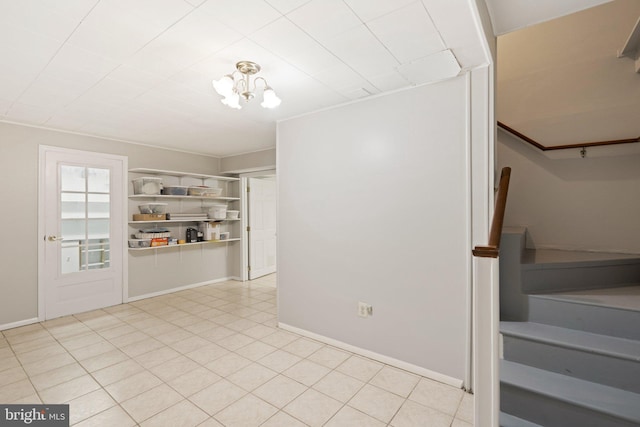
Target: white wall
x=573 y=203
x=249 y=162
x=18 y=218
x=374 y=207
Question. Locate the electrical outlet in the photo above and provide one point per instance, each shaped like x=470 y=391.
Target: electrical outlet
x=364 y=309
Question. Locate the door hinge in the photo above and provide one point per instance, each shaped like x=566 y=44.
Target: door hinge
x=248 y=189
x=249 y=268
x=248 y=228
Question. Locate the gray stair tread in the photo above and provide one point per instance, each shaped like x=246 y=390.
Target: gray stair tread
x=618 y=403
x=508 y=420
x=621 y=348
x=552 y=258
x=624 y=297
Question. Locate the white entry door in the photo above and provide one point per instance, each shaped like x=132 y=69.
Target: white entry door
x=262 y=227
x=82 y=230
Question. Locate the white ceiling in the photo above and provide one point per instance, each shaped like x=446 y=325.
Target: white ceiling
x=141 y=70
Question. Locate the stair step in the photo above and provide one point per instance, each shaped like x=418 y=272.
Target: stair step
x=556 y=400
x=545 y=270
x=598 y=358
x=568 y=312
x=508 y=420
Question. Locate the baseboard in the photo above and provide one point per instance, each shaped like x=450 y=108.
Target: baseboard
x=455 y=382
x=179 y=288
x=19 y=323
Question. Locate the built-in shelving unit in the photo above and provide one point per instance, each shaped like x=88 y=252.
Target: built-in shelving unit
x=186 y=204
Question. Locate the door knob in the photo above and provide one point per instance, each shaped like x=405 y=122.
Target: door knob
x=54 y=238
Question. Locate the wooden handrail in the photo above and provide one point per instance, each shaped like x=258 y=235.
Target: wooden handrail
x=493 y=248
x=564 y=147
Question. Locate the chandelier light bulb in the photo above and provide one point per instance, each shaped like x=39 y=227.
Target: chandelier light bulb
x=224 y=86
x=232 y=101
x=271 y=100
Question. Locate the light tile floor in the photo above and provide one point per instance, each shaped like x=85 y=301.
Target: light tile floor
x=211 y=356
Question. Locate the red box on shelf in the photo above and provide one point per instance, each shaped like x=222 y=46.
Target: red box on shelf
x=159 y=242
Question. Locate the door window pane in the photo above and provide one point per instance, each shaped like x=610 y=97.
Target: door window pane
x=99 y=206
x=85 y=208
x=96 y=254
x=74 y=229
x=72 y=178
x=98 y=229
x=73 y=205
x=98 y=180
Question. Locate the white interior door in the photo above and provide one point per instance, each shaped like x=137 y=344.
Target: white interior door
x=82 y=226
x=262 y=227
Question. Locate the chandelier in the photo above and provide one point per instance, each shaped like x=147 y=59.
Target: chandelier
x=233 y=88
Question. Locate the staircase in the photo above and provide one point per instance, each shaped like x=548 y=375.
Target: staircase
x=570 y=323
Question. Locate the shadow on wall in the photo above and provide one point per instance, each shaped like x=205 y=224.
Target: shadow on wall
x=590 y=204
x=610 y=168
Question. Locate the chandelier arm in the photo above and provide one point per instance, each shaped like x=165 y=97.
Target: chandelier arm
x=255 y=83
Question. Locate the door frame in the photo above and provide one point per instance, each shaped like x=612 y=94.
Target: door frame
x=244 y=217
x=42 y=151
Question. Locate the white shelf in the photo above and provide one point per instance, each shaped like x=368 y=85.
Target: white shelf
x=180 y=174
x=162 y=196
x=182 y=220
x=185 y=244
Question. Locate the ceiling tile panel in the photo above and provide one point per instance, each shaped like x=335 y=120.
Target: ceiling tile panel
x=52 y=19
x=18 y=71
x=286 y=6
x=119 y=44
x=149 y=60
x=340 y=77
x=316 y=96
x=369 y=9
x=286 y=40
x=224 y=61
x=85 y=110
x=159 y=13
x=117 y=35
x=408 y=33
x=323 y=19
x=29 y=113
x=75 y=64
x=21 y=42
x=51 y=92
x=360 y=49
x=244 y=16
x=194 y=80
x=64 y=121
x=112 y=92
x=195 y=37
x=459 y=30
x=135 y=77
x=389 y=81
x=439 y=66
